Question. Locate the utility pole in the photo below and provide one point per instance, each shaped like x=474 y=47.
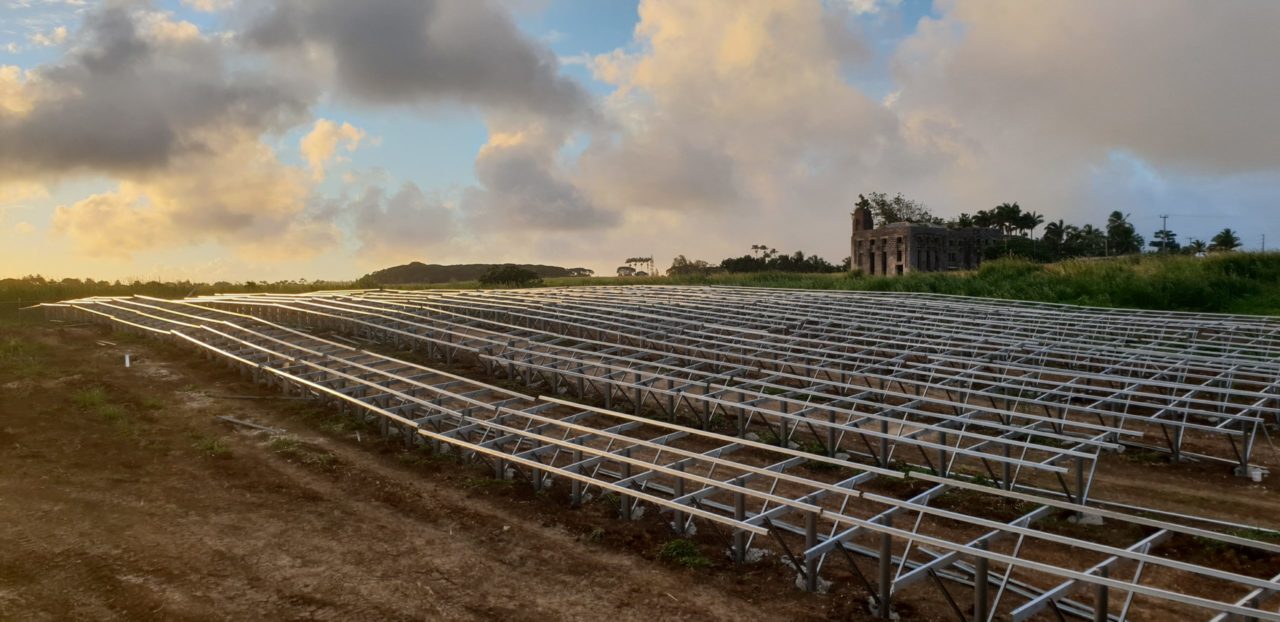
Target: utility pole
x=1164 y=231
x=1264 y=242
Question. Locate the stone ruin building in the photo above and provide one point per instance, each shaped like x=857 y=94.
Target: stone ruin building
x=905 y=247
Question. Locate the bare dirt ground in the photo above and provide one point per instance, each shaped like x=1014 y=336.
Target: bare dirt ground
x=122 y=496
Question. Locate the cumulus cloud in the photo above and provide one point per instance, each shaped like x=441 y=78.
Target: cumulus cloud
x=17 y=191
x=239 y=195
x=471 y=53
x=421 y=51
x=321 y=143
x=1029 y=100
x=522 y=187
x=740 y=117
x=400 y=226
x=138 y=91
x=15 y=98
x=154 y=104
x=734 y=116
x=57 y=36
x=209 y=6
x=1174 y=83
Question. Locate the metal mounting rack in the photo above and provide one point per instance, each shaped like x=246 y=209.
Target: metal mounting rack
x=842 y=426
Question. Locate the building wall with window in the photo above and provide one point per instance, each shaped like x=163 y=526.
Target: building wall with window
x=903 y=247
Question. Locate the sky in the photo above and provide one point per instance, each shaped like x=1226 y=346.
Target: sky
x=323 y=139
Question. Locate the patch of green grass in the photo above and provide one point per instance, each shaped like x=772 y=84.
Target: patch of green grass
x=295 y=450
x=1260 y=535
x=212 y=447
x=114 y=414
x=769 y=437
x=683 y=553
x=1239 y=282
x=1145 y=456
x=287 y=445
x=97 y=400
x=21 y=358
x=90 y=398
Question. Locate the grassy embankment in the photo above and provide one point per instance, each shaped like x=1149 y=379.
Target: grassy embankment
x=1230 y=283
x=1236 y=283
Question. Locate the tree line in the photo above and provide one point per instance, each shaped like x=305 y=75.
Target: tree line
x=1058 y=239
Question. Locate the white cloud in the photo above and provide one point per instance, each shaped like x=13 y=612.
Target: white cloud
x=209 y=6
x=57 y=36
x=321 y=144
x=869 y=7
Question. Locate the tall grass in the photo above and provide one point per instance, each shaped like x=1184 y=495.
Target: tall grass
x=1230 y=282
x=1233 y=283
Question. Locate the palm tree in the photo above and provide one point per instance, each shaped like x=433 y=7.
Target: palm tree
x=1029 y=221
x=1054 y=232
x=1089 y=241
x=1197 y=246
x=1122 y=239
x=1226 y=240
x=1007 y=216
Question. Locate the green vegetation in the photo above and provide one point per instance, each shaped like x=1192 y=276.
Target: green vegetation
x=89 y=399
x=20 y=358
x=211 y=447
x=1261 y=535
x=510 y=275
x=1223 y=282
x=97 y=400
x=683 y=553
x=294 y=450
x=418 y=272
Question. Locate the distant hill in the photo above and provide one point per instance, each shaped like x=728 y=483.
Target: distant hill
x=418 y=272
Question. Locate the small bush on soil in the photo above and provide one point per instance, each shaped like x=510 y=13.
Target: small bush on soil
x=684 y=553
x=212 y=447
x=295 y=450
x=1144 y=456
x=20 y=358
x=90 y=398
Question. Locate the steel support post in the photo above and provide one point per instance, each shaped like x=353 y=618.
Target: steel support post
x=980 y=579
x=810 y=560
x=678 y=492
x=1100 y=603
x=576 y=495
x=739 y=536
x=886 y=570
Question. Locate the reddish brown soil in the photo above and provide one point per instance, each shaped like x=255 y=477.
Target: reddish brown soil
x=142 y=505
x=137 y=503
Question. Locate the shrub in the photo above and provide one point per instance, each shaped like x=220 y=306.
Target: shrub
x=510 y=275
x=684 y=553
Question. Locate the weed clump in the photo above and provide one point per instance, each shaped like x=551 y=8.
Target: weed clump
x=97 y=400
x=294 y=450
x=20 y=358
x=211 y=447
x=683 y=553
